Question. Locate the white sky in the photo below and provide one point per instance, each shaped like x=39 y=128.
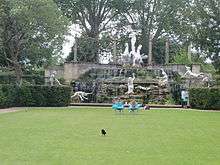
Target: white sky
x=70 y=39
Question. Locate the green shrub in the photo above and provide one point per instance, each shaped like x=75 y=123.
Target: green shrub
x=31 y=79
x=2 y=99
x=205 y=98
x=11 y=95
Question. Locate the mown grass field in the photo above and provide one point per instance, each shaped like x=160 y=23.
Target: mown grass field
x=72 y=136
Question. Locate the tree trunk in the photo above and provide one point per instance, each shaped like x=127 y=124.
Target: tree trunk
x=167 y=52
x=150 y=50
x=75 y=50
x=17 y=68
x=18 y=73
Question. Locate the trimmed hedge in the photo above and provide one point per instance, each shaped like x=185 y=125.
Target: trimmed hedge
x=205 y=98
x=36 y=96
x=33 y=79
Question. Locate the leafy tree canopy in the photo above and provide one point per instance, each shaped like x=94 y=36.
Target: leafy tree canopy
x=32 y=32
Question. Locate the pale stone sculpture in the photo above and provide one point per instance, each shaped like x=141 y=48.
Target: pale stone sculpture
x=163 y=81
x=82 y=95
x=137 y=59
x=131 y=85
x=126 y=55
x=53 y=79
x=205 y=78
x=133 y=41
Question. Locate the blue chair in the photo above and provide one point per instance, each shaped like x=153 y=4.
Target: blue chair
x=118 y=106
x=133 y=107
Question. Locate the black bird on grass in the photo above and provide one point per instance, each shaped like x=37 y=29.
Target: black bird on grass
x=103 y=132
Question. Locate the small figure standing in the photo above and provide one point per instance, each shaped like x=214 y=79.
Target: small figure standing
x=131 y=85
x=184 y=98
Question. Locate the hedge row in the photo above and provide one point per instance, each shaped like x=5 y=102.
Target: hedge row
x=205 y=98
x=14 y=96
x=33 y=79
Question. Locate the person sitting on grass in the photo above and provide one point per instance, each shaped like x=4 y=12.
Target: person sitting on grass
x=146 y=107
x=133 y=105
x=118 y=105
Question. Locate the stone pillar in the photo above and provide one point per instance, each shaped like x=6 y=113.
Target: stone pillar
x=150 y=50
x=114 y=52
x=167 y=52
x=190 y=51
x=75 y=50
x=196 y=68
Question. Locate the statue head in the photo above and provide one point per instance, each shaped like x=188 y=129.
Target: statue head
x=139 y=47
x=54 y=72
x=187 y=68
x=132 y=35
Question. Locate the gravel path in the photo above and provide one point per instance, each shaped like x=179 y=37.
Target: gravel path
x=7 y=110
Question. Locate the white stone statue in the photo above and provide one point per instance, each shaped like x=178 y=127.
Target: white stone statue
x=190 y=74
x=126 y=55
x=131 y=85
x=143 y=88
x=137 y=59
x=82 y=95
x=133 y=54
x=132 y=36
x=53 y=78
x=133 y=41
x=205 y=78
x=163 y=81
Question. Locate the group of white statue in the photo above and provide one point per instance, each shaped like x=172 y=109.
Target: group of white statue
x=163 y=81
x=189 y=74
x=134 y=54
x=135 y=57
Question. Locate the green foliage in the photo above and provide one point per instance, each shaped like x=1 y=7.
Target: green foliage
x=87 y=49
x=205 y=98
x=206 y=18
x=2 y=99
x=216 y=77
x=169 y=100
x=94 y=17
x=30 y=79
x=159 y=50
x=11 y=95
x=181 y=58
x=32 y=34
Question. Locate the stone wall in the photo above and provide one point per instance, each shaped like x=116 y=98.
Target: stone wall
x=58 y=69
x=72 y=71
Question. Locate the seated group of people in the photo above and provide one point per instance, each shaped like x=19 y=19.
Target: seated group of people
x=132 y=106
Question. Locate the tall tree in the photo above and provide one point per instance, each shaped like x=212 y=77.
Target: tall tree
x=207 y=35
x=93 y=16
x=32 y=32
x=156 y=18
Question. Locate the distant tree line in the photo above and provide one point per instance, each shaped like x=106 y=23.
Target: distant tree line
x=32 y=32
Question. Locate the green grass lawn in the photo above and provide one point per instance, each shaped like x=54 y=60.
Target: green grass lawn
x=72 y=136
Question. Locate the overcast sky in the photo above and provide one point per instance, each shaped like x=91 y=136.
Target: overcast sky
x=70 y=39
